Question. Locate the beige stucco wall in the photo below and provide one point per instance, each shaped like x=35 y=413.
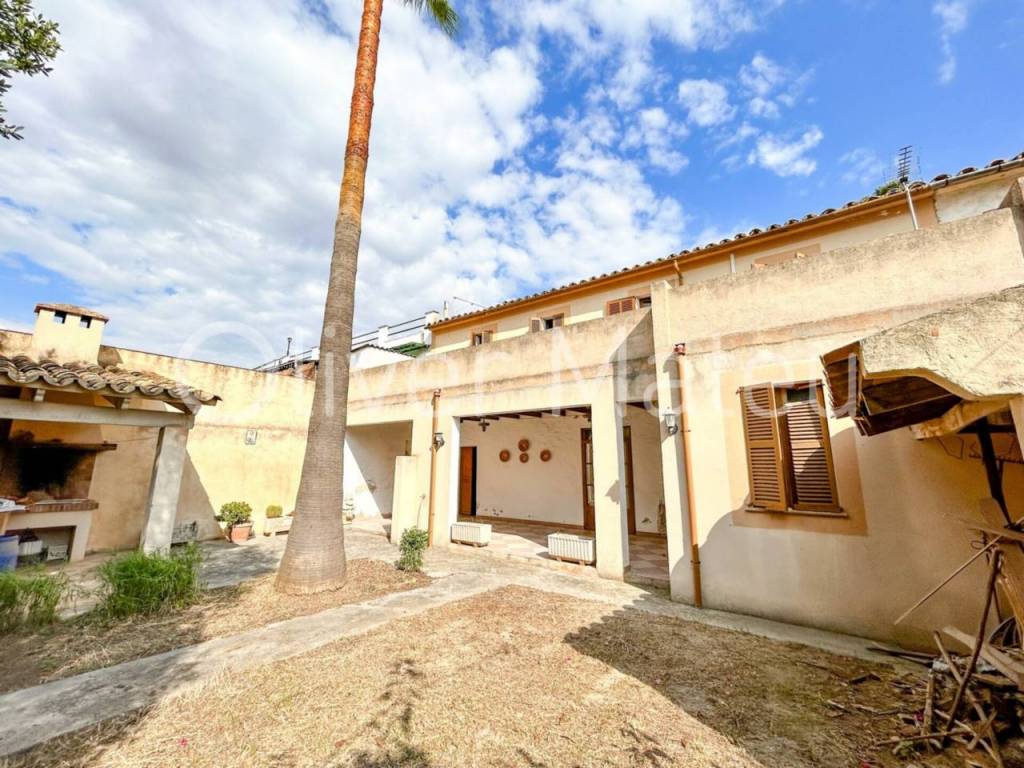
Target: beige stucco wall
x=648 y=490
x=965 y=200
x=901 y=497
x=602 y=364
x=68 y=340
x=589 y=304
x=370 y=453
x=962 y=200
x=219 y=465
x=551 y=491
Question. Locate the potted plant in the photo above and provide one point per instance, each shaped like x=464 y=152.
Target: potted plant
x=237 y=519
x=276 y=522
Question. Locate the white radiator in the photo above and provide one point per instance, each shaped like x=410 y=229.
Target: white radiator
x=477 y=534
x=567 y=546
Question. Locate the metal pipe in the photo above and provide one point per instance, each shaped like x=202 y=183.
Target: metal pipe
x=910 y=202
x=684 y=429
x=994 y=476
x=435 y=404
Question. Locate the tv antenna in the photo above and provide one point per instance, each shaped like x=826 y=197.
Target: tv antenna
x=904 y=161
x=904 y=165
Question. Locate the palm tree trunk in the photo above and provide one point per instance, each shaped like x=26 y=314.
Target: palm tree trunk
x=314 y=558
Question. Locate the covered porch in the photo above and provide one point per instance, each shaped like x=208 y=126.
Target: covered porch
x=529 y=474
x=523 y=540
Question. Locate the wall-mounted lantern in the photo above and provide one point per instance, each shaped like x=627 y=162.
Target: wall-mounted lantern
x=438 y=441
x=671 y=423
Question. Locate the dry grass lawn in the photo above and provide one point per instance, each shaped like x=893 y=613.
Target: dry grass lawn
x=86 y=643
x=517 y=677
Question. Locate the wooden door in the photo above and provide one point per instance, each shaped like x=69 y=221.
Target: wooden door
x=587 y=453
x=467 y=481
x=587 y=449
x=627 y=458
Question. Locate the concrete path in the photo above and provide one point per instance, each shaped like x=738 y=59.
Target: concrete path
x=34 y=715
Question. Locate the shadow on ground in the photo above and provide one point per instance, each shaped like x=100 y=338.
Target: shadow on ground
x=784 y=704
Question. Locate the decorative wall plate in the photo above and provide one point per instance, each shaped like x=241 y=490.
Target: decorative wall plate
x=545 y=455
x=524 y=457
x=524 y=444
x=504 y=455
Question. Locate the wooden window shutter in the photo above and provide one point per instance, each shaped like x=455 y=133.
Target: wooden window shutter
x=813 y=481
x=617 y=306
x=764 y=447
x=536 y=325
x=558 y=321
x=488 y=336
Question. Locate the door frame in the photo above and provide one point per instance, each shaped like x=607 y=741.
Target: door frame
x=627 y=459
x=587 y=436
x=471 y=450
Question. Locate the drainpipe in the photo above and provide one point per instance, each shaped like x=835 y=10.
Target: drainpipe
x=435 y=402
x=910 y=202
x=684 y=428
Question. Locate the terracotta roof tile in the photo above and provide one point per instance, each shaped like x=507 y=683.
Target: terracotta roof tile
x=109 y=379
x=942 y=178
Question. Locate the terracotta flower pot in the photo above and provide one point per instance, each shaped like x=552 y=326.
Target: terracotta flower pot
x=240 y=533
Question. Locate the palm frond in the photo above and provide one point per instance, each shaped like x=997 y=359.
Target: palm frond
x=440 y=11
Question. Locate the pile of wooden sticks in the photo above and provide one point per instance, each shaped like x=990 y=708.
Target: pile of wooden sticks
x=976 y=700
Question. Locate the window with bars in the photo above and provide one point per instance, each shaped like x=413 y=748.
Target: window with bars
x=789 y=455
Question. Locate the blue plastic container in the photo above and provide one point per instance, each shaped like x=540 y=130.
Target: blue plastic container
x=8 y=553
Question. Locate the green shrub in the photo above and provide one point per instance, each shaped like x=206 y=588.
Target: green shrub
x=235 y=513
x=30 y=599
x=414 y=541
x=274 y=510
x=139 y=583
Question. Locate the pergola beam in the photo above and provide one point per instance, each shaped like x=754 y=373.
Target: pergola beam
x=27 y=410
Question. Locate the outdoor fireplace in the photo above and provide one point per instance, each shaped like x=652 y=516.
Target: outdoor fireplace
x=34 y=472
x=49 y=482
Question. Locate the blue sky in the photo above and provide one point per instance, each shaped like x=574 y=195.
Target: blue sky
x=180 y=167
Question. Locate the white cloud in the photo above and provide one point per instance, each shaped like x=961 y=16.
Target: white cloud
x=656 y=131
x=770 y=86
x=207 y=170
x=706 y=102
x=953 y=15
x=595 y=26
x=863 y=167
x=786 y=157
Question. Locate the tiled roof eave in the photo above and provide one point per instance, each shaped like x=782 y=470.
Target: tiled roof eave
x=918 y=187
x=21 y=370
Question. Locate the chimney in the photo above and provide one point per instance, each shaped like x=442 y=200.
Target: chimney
x=67 y=334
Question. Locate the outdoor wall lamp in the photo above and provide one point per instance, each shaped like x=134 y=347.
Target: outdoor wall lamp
x=671 y=423
x=438 y=440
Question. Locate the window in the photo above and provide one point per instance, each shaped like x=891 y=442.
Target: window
x=643 y=301
x=84 y=322
x=621 y=305
x=789 y=456
x=60 y=317
x=547 y=323
x=478 y=338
